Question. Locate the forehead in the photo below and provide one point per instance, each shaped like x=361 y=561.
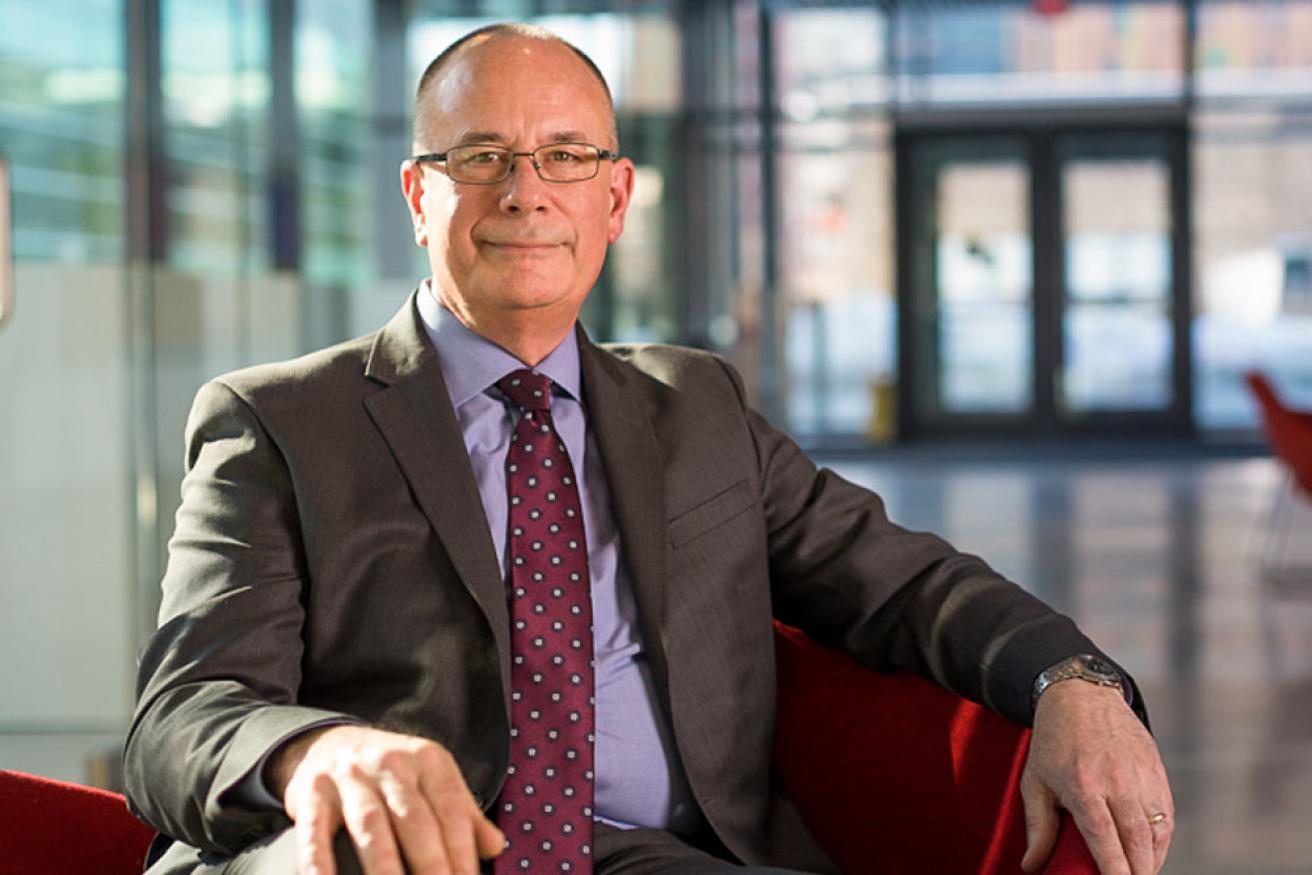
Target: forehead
x=518 y=87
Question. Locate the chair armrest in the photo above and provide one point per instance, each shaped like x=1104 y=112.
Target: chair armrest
x=56 y=827
x=895 y=774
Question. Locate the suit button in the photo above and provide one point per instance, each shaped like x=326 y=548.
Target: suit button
x=478 y=799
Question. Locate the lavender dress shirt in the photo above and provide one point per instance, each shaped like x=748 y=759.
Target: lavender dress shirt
x=640 y=781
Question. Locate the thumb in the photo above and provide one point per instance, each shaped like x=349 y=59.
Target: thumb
x=491 y=841
x=1041 y=821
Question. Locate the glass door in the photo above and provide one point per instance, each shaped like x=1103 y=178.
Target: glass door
x=970 y=259
x=1117 y=280
x=1040 y=283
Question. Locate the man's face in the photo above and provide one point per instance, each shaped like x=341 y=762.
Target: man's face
x=522 y=244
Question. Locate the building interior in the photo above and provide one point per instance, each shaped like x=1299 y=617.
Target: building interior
x=1007 y=263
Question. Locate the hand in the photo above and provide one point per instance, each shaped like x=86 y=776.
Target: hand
x=402 y=799
x=1090 y=755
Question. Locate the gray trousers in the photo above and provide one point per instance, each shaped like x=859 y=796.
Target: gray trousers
x=616 y=852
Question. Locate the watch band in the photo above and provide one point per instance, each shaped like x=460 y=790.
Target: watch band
x=1087 y=667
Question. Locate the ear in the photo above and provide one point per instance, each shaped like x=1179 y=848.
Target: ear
x=412 y=187
x=621 y=192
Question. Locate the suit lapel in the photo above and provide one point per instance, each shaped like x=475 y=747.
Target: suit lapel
x=631 y=458
x=415 y=417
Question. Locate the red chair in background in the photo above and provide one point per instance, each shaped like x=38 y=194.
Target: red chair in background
x=1289 y=432
x=893 y=775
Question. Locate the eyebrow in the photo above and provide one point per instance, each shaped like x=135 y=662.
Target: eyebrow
x=472 y=137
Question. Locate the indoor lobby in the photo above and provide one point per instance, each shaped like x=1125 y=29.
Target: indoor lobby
x=1011 y=264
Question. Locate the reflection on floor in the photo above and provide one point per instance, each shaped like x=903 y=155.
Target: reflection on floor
x=1158 y=561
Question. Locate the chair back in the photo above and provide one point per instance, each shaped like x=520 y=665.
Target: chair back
x=1288 y=431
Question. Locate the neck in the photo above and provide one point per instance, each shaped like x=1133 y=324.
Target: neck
x=530 y=335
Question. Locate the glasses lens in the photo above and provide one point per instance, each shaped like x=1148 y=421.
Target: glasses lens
x=567 y=162
x=478 y=163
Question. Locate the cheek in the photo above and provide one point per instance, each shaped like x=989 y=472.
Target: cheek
x=455 y=222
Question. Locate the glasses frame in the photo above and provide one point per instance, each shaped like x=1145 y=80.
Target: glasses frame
x=441 y=158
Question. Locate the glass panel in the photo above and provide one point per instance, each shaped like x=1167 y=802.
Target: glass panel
x=1006 y=52
x=642 y=305
x=216 y=94
x=66 y=491
x=62 y=87
x=830 y=61
x=1253 y=258
x=983 y=262
x=1117 y=320
x=333 y=80
x=1248 y=48
x=637 y=53
x=837 y=285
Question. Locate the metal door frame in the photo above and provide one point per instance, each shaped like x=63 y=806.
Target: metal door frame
x=1043 y=418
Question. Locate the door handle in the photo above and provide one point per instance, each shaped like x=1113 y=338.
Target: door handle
x=6 y=245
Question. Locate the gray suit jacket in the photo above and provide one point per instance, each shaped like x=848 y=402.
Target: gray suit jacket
x=331 y=558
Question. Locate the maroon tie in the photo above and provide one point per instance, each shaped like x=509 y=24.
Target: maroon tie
x=545 y=808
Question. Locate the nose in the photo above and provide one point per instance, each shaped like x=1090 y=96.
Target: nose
x=525 y=189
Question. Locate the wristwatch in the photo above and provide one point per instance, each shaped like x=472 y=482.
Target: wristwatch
x=1084 y=666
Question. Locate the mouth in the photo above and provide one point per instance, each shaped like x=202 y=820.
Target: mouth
x=521 y=247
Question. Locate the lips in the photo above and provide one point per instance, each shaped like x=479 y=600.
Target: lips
x=523 y=244
x=526 y=248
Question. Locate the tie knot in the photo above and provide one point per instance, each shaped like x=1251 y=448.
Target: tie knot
x=530 y=390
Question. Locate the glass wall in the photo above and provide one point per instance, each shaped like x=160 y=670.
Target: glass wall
x=1252 y=185
x=66 y=414
x=1007 y=52
x=835 y=237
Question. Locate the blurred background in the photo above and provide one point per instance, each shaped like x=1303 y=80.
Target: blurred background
x=1005 y=262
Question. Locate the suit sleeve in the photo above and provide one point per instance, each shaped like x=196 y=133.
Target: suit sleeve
x=896 y=599
x=217 y=681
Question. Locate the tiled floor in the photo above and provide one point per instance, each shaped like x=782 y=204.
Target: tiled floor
x=1158 y=561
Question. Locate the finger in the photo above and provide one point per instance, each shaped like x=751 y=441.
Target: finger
x=442 y=784
x=370 y=826
x=1162 y=836
x=415 y=827
x=1041 y=821
x=457 y=818
x=1099 y=830
x=491 y=840
x=1136 y=835
x=318 y=814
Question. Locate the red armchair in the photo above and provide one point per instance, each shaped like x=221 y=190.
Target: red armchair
x=911 y=779
x=55 y=828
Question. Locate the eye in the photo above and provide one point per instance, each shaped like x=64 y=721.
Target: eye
x=565 y=156
x=486 y=156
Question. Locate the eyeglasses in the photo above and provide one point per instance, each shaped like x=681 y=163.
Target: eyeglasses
x=485 y=164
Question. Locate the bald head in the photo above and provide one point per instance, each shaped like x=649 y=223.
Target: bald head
x=442 y=79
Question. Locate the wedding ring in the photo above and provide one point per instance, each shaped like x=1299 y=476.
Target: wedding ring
x=1154 y=819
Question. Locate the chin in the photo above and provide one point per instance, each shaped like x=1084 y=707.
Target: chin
x=532 y=292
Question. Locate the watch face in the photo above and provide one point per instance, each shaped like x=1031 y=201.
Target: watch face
x=1098 y=665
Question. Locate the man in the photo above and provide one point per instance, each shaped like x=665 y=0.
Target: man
x=473 y=582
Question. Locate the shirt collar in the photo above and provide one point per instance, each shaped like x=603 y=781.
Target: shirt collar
x=471 y=363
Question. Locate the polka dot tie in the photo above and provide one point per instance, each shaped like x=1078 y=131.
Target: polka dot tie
x=545 y=808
